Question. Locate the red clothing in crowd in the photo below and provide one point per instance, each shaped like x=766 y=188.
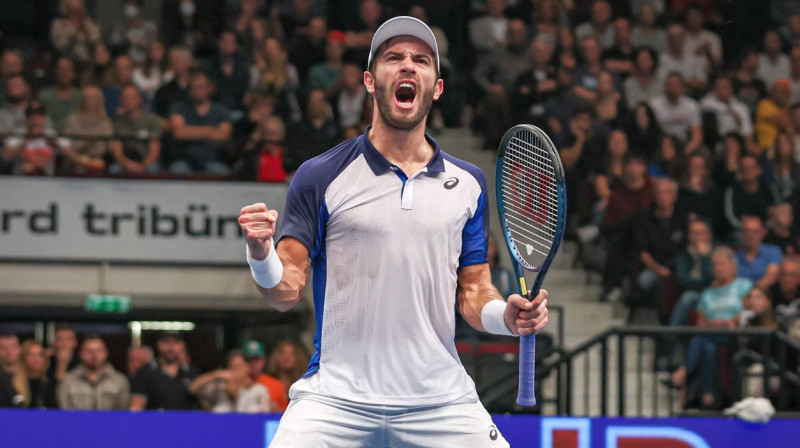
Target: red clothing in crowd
x=270 y=166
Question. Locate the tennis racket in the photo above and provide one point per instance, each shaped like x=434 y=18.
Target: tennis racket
x=532 y=203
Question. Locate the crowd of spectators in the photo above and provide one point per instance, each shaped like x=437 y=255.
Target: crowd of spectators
x=69 y=375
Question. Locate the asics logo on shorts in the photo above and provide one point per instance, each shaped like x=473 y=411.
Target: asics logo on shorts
x=493 y=432
x=451 y=183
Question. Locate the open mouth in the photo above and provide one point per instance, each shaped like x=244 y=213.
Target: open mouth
x=405 y=93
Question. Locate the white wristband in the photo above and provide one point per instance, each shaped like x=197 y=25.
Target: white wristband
x=267 y=272
x=493 y=320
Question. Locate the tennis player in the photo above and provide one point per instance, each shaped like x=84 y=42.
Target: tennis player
x=396 y=233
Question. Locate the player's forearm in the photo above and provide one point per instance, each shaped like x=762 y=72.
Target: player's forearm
x=286 y=293
x=471 y=300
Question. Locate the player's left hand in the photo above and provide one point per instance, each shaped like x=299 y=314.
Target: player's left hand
x=525 y=316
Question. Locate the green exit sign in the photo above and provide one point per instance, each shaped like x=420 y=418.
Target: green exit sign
x=104 y=303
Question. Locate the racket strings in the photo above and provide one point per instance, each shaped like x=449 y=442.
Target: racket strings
x=530 y=196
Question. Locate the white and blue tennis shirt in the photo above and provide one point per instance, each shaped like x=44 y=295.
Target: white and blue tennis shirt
x=385 y=249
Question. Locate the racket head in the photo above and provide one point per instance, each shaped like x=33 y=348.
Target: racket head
x=531 y=197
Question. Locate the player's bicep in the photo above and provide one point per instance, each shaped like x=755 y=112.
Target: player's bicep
x=294 y=256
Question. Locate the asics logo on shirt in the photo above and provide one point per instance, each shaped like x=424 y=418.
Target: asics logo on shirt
x=493 y=432
x=451 y=183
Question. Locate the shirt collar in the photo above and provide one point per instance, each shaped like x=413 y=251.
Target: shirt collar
x=380 y=165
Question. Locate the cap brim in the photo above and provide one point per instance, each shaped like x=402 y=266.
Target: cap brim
x=403 y=26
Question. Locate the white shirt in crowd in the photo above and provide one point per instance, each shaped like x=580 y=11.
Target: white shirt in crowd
x=731 y=117
x=676 y=119
x=350 y=108
x=769 y=70
x=688 y=65
x=250 y=400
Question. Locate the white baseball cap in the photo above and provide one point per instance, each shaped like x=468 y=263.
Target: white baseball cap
x=403 y=26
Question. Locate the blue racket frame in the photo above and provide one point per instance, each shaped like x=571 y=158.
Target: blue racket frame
x=527 y=353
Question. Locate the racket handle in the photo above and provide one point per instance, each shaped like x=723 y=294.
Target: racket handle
x=527 y=369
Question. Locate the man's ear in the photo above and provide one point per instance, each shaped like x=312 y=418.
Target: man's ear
x=369 y=82
x=438 y=89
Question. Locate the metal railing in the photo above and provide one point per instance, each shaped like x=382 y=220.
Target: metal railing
x=617 y=372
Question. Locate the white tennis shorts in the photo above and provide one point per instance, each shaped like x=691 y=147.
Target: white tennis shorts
x=317 y=421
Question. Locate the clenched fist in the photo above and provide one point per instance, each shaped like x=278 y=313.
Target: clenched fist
x=258 y=225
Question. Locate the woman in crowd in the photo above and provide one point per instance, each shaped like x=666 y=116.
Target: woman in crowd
x=287 y=362
x=608 y=104
x=699 y=196
x=669 y=160
x=719 y=307
x=273 y=74
x=91 y=127
x=154 y=73
x=42 y=393
x=780 y=226
x=643 y=85
x=782 y=169
x=644 y=134
x=726 y=167
x=74 y=34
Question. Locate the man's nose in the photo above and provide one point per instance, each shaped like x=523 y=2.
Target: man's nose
x=407 y=65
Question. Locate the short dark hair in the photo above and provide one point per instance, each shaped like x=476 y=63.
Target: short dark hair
x=92 y=337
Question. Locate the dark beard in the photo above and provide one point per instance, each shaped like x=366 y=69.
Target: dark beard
x=402 y=123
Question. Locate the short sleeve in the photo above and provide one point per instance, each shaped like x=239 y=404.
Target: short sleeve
x=475 y=236
x=305 y=213
x=774 y=254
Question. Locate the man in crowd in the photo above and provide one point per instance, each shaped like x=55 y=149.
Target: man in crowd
x=138 y=145
x=123 y=75
x=677 y=114
x=255 y=356
x=11 y=367
x=94 y=384
x=757 y=260
x=678 y=59
x=489 y=31
x=599 y=26
x=199 y=126
x=164 y=382
x=748 y=195
x=180 y=64
x=64 y=97
x=12 y=115
x=229 y=71
x=787 y=288
x=138 y=357
x=732 y=115
x=62 y=356
x=314 y=135
x=35 y=152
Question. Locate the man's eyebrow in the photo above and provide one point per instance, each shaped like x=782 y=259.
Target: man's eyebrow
x=400 y=53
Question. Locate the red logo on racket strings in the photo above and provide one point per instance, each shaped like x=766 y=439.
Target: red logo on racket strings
x=532 y=190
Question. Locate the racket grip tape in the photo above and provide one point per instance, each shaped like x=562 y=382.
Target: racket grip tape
x=527 y=370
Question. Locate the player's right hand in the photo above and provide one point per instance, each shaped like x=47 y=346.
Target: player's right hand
x=258 y=225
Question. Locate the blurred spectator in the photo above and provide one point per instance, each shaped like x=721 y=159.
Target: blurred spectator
x=489 y=32
x=791 y=32
x=263 y=160
x=11 y=64
x=631 y=194
x=287 y=362
x=229 y=72
x=534 y=86
x=699 y=197
x=642 y=130
x=418 y=12
x=194 y=24
x=306 y=50
x=659 y=235
x=35 y=153
x=350 y=101
x=91 y=128
x=677 y=114
x=782 y=170
x=620 y=57
x=34 y=363
x=12 y=115
x=757 y=260
x=325 y=75
x=123 y=75
x=773 y=64
x=599 y=26
x=242 y=21
x=62 y=353
x=692 y=271
x=495 y=73
x=74 y=35
x=291 y=19
x=787 y=288
x=669 y=161
x=231 y=389
x=180 y=64
x=163 y=383
x=780 y=228
x=8 y=395
x=101 y=71
x=702 y=43
x=608 y=103
x=589 y=70
x=198 y=126
x=795 y=112
x=502 y=278
x=608 y=173
x=11 y=365
x=137 y=146
x=748 y=196
x=758 y=310
x=133 y=34
x=646 y=33
x=154 y=72
x=137 y=357
x=794 y=78
x=64 y=97
x=272 y=74
x=727 y=163
x=772 y=116
x=94 y=384
x=719 y=307
x=677 y=58
x=749 y=89
x=359 y=34
x=317 y=133
x=731 y=114
x=581 y=145
x=253 y=353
